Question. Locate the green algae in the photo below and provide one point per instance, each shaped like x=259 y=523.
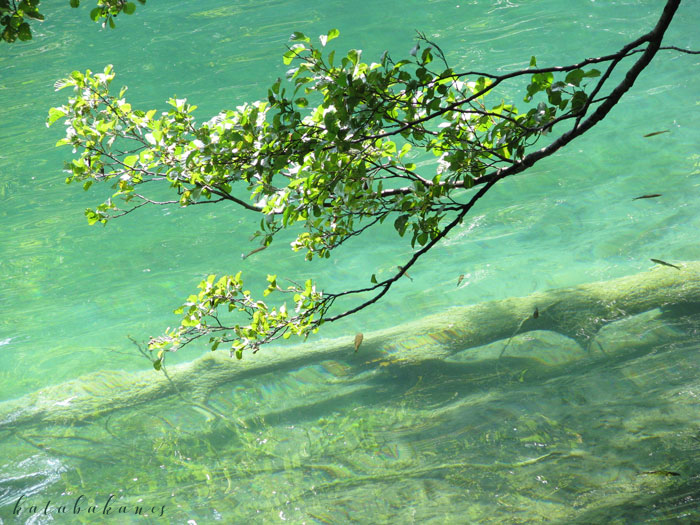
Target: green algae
x=435 y=433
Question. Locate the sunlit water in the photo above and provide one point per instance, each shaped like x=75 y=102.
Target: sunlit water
x=353 y=441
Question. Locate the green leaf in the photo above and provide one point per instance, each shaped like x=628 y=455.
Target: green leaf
x=33 y=14
x=74 y=3
x=333 y=33
x=373 y=279
x=330 y=121
x=131 y=160
x=95 y=14
x=91 y=216
x=299 y=37
x=533 y=61
x=54 y=115
x=543 y=80
x=354 y=56
x=579 y=100
x=400 y=224
x=292 y=53
x=129 y=8
x=24 y=32
x=574 y=77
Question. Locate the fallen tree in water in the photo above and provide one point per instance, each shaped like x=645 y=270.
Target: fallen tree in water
x=576 y=313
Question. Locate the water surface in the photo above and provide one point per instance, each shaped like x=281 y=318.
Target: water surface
x=396 y=443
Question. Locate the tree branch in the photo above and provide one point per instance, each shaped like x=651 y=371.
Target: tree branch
x=654 y=38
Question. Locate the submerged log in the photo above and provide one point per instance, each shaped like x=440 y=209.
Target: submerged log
x=577 y=313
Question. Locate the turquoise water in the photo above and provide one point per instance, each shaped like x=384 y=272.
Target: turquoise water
x=70 y=294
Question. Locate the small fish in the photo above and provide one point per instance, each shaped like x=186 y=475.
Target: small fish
x=256 y=250
x=656 y=133
x=661 y=472
x=405 y=273
x=536 y=313
x=461 y=278
x=650 y=196
x=358 y=341
x=664 y=263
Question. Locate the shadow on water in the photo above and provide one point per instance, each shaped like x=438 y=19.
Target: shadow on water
x=606 y=439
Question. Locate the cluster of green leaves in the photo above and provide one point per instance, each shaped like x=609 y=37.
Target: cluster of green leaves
x=107 y=10
x=13 y=15
x=12 y=19
x=203 y=314
x=557 y=91
x=330 y=152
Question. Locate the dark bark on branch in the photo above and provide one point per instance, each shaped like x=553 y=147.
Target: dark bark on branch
x=653 y=39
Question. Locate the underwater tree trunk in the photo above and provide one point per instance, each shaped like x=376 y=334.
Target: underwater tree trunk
x=577 y=313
